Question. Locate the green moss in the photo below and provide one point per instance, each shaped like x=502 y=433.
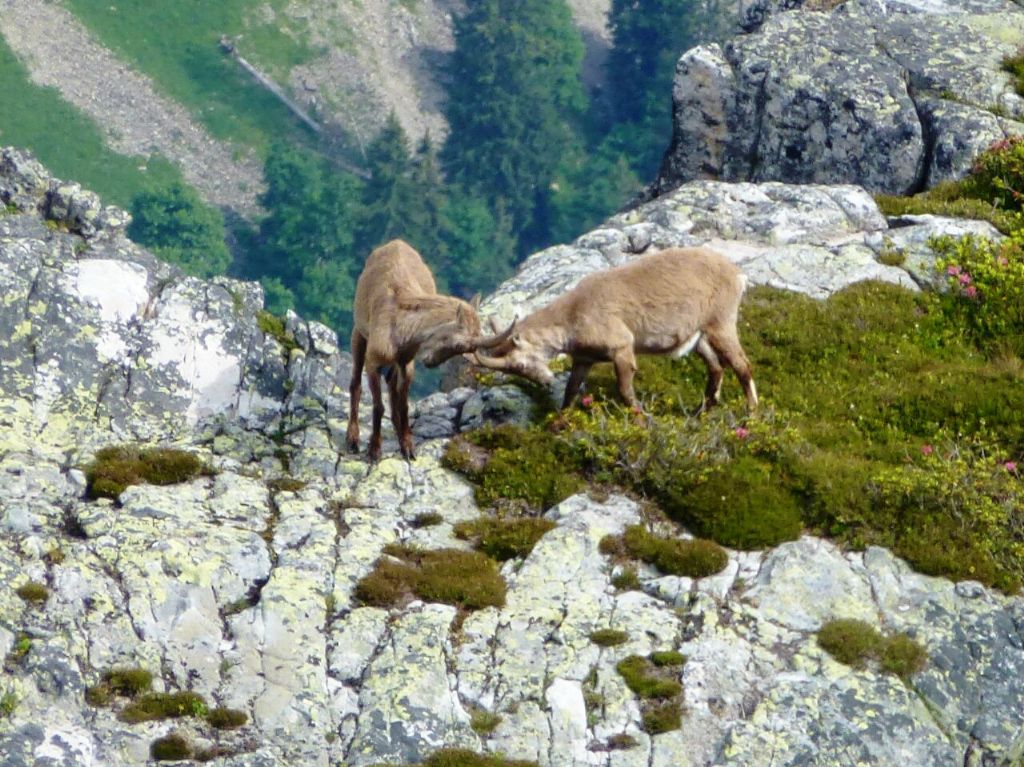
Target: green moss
x=626 y=579
x=274 y=327
x=161 y=705
x=902 y=656
x=461 y=757
x=169 y=748
x=115 y=468
x=743 y=504
x=1014 y=64
x=33 y=592
x=467 y=579
x=937 y=202
x=226 y=718
x=19 y=652
x=286 y=485
x=858 y=644
x=523 y=468
x=661 y=716
x=621 y=742
x=124 y=682
x=484 y=722
x=426 y=519
x=8 y=704
x=502 y=538
x=849 y=641
x=691 y=558
x=608 y=637
x=663 y=658
x=644 y=679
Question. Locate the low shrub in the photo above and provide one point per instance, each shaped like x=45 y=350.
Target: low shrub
x=170 y=748
x=691 y=558
x=164 y=705
x=467 y=579
x=642 y=677
x=857 y=643
x=33 y=592
x=608 y=637
x=483 y=722
x=226 y=718
x=504 y=539
x=115 y=468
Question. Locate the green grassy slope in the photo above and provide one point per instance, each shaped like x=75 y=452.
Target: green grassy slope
x=176 y=44
x=68 y=142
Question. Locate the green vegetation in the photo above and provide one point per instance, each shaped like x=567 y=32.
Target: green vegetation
x=19 y=652
x=181 y=229
x=33 y=592
x=993 y=191
x=609 y=637
x=621 y=742
x=626 y=579
x=169 y=748
x=1015 y=66
x=483 y=722
x=226 y=718
x=662 y=658
x=426 y=519
x=857 y=643
x=115 y=468
x=657 y=686
x=39 y=119
x=8 y=704
x=462 y=757
x=467 y=579
x=274 y=326
x=164 y=705
x=504 y=539
x=694 y=558
x=889 y=418
x=124 y=682
x=176 y=44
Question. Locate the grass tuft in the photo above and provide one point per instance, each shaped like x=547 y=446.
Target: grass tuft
x=33 y=592
x=115 y=468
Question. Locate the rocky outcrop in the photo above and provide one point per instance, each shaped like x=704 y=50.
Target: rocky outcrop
x=893 y=96
x=240 y=587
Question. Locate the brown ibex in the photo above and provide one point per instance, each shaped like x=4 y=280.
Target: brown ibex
x=665 y=303
x=398 y=315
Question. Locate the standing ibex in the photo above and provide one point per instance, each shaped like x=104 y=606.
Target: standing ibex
x=399 y=315
x=666 y=303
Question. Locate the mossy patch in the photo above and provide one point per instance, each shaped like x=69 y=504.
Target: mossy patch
x=674 y=556
x=33 y=592
x=8 y=704
x=467 y=579
x=621 y=742
x=426 y=519
x=123 y=682
x=504 y=538
x=523 y=469
x=115 y=468
x=859 y=644
x=626 y=579
x=462 y=757
x=274 y=326
x=609 y=637
x=658 y=688
x=170 y=748
x=164 y=705
x=226 y=718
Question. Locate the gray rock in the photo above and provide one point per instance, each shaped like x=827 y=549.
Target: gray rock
x=892 y=96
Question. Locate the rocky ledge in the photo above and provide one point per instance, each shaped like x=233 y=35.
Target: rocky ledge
x=895 y=95
x=240 y=585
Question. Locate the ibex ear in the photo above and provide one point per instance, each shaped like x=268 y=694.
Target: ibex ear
x=475 y=301
x=460 y=314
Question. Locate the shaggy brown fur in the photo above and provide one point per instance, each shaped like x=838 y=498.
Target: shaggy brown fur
x=666 y=303
x=399 y=316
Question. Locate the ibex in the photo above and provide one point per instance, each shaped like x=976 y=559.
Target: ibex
x=399 y=316
x=665 y=303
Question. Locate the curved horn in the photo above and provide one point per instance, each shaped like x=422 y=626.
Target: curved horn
x=494 y=363
x=489 y=342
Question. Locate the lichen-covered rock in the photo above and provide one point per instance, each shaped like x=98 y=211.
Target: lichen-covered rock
x=892 y=96
x=240 y=585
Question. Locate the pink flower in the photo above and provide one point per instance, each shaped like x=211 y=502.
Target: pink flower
x=952 y=270
x=741 y=433
x=965 y=279
x=588 y=400
x=927 y=449
x=971 y=291
x=1003 y=261
x=1010 y=466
